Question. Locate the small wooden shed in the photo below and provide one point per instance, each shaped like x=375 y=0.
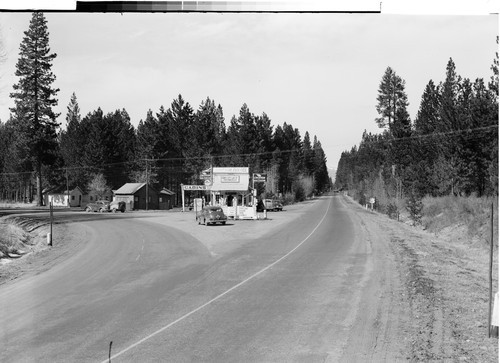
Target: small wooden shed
x=167 y=199
x=134 y=196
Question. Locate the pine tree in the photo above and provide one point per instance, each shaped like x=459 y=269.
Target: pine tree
x=392 y=108
x=450 y=149
x=391 y=101
x=34 y=98
x=308 y=154
x=72 y=140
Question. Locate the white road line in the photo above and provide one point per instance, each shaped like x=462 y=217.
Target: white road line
x=142 y=249
x=221 y=295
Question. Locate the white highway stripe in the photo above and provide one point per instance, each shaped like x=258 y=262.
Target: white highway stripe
x=142 y=249
x=221 y=295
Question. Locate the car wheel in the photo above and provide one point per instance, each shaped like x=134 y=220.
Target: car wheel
x=223 y=222
x=101 y=210
x=114 y=210
x=88 y=209
x=205 y=222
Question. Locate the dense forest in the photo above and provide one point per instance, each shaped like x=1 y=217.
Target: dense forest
x=167 y=148
x=451 y=148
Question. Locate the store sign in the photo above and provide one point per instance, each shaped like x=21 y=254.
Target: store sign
x=229 y=178
x=259 y=177
x=218 y=170
x=194 y=187
x=206 y=174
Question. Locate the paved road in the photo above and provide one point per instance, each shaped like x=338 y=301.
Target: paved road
x=314 y=290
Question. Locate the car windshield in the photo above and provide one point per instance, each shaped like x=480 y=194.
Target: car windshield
x=215 y=209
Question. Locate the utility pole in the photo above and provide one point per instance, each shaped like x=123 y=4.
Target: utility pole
x=147 y=185
x=67 y=187
x=490 y=274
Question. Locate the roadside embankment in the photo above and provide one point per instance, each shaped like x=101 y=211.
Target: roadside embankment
x=445 y=271
x=20 y=235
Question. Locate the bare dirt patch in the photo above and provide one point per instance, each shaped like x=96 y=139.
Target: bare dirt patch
x=445 y=281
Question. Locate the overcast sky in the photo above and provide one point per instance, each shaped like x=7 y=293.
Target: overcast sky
x=318 y=72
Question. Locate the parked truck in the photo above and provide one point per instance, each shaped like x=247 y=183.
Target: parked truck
x=273 y=204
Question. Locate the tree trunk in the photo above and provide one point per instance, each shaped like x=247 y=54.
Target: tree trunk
x=39 y=201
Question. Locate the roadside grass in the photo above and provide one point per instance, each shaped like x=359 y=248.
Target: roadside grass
x=471 y=215
x=19 y=236
x=10 y=204
x=13 y=240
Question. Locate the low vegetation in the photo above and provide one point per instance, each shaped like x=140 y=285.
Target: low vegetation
x=471 y=214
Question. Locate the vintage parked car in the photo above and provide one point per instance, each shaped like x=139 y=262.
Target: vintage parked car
x=273 y=204
x=116 y=206
x=98 y=206
x=211 y=214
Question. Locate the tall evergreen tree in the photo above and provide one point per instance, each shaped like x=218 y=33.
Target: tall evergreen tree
x=308 y=154
x=321 y=177
x=449 y=123
x=391 y=101
x=425 y=146
x=392 y=108
x=34 y=97
x=72 y=140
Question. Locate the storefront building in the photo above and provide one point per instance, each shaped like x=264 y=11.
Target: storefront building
x=229 y=187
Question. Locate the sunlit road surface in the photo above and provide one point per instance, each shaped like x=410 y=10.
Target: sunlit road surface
x=316 y=289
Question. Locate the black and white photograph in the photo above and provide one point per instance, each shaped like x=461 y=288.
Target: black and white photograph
x=247 y=181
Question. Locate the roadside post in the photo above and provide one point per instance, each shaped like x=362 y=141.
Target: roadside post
x=49 y=235
x=492 y=325
x=372 y=202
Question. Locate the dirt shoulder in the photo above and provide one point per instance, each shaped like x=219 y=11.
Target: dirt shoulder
x=445 y=288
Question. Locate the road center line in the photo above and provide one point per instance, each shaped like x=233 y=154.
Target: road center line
x=222 y=294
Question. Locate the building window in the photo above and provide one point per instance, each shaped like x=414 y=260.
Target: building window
x=72 y=197
x=136 y=198
x=161 y=200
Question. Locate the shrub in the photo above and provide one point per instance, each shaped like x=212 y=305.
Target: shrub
x=414 y=206
x=288 y=198
x=392 y=210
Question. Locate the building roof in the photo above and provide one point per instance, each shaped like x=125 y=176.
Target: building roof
x=60 y=190
x=167 y=191
x=130 y=188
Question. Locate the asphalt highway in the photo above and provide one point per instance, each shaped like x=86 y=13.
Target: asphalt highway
x=313 y=290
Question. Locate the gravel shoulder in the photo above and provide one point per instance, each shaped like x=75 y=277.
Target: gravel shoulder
x=443 y=293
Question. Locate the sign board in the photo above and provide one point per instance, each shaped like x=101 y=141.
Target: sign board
x=230 y=179
x=208 y=182
x=259 y=177
x=198 y=204
x=235 y=170
x=372 y=200
x=194 y=187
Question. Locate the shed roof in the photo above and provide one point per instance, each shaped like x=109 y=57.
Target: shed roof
x=130 y=188
x=61 y=190
x=167 y=191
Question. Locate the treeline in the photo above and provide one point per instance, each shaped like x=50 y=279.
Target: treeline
x=168 y=148
x=451 y=148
